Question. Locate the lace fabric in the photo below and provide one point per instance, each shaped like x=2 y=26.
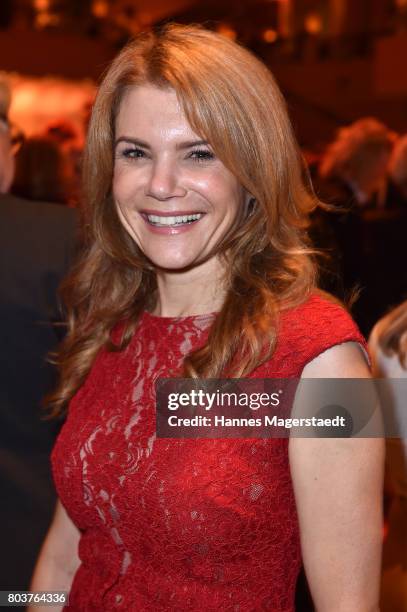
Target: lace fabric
x=178 y=524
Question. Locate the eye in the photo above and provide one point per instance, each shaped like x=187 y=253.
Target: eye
x=132 y=153
x=201 y=155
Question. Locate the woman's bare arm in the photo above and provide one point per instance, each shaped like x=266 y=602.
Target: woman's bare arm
x=338 y=489
x=58 y=559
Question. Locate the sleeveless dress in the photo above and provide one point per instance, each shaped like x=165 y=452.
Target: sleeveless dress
x=182 y=524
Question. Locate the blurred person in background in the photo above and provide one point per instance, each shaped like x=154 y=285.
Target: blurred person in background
x=41 y=171
x=353 y=169
x=36 y=245
x=70 y=142
x=388 y=345
x=6 y=148
x=352 y=177
x=386 y=229
x=397 y=185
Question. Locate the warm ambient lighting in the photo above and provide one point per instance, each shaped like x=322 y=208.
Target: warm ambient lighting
x=313 y=23
x=41 y=5
x=44 y=20
x=227 y=31
x=270 y=36
x=100 y=9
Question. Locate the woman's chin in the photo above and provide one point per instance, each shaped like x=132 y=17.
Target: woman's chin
x=168 y=264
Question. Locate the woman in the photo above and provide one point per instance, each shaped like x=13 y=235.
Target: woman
x=388 y=343
x=197 y=264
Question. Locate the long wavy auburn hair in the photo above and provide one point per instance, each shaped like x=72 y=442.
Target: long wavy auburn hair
x=231 y=100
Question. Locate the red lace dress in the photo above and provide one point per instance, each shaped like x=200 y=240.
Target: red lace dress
x=178 y=524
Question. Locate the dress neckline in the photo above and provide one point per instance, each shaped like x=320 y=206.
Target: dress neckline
x=178 y=319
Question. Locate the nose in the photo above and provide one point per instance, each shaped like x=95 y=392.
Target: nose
x=164 y=181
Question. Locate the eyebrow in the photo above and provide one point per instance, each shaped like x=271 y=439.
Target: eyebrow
x=141 y=143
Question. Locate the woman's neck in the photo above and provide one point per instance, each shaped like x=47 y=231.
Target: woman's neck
x=196 y=291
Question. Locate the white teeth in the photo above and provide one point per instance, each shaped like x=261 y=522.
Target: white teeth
x=157 y=220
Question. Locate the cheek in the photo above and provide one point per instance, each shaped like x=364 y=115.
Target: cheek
x=129 y=224
x=124 y=184
x=213 y=180
x=221 y=190
x=117 y=181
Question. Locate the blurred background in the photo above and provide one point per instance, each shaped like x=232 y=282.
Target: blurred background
x=335 y=60
x=340 y=64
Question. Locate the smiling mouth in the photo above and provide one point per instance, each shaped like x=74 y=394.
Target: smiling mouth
x=158 y=221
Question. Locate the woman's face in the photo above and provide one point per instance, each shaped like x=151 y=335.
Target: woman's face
x=174 y=197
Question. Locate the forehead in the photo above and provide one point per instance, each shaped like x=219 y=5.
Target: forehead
x=151 y=111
